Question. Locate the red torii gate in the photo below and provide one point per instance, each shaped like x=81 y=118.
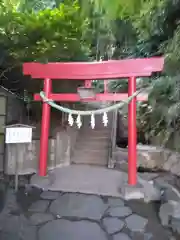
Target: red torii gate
x=87 y=71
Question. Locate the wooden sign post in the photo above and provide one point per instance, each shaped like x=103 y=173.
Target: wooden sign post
x=18 y=134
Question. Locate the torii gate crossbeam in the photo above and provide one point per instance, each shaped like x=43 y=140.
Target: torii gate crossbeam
x=131 y=69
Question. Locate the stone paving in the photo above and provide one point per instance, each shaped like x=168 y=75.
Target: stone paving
x=73 y=216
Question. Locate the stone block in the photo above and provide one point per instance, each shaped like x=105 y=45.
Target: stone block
x=40 y=218
x=136 y=223
x=42 y=182
x=119 y=211
x=39 y=206
x=113 y=225
x=151 y=157
x=67 y=230
x=165 y=214
x=151 y=192
x=49 y=195
x=18 y=227
x=175 y=224
x=141 y=236
x=169 y=194
x=169 y=191
x=121 y=236
x=115 y=202
x=168 y=211
x=132 y=192
x=78 y=205
x=148 y=176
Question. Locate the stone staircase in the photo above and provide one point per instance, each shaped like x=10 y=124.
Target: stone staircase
x=93 y=145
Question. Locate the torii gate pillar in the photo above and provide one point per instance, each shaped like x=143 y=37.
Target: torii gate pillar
x=131 y=69
x=45 y=125
x=132 y=133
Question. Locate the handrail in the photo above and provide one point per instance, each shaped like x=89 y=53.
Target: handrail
x=112 y=145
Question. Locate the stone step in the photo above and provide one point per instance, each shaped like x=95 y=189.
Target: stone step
x=91 y=143
x=90 y=160
x=88 y=156
x=91 y=152
x=92 y=146
x=96 y=139
x=97 y=147
x=95 y=131
x=89 y=136
x=99 y=126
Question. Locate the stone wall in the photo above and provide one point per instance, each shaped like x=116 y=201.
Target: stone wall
x=60 y=150
x=16 y=111
x=151 y=157
x=3 y=105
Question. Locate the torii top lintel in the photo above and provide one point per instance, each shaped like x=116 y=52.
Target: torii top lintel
x=95 y=70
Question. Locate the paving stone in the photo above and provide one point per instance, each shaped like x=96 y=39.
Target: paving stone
x=141 y=236
x=151 y=192
x=40 y=218
x=148 y=176
x=26 y=235
x=119 y=211
x=169 y=210
x=78 y=205
x=11 y=223
x=10 y=203
x=18 y=227
x=136 y=223
x=148 y=236
x=169 y=194
x=29 y=233
x=49 y=195
x=115 y=202
x=175 y=225
x=121 y=165
x=67 y=230
x=41 y=182
x=165 y=213
x=9 y=236
x=121 y=236
x=169 y=189
x=172 y=238
x=39 y=206
x=113 y=225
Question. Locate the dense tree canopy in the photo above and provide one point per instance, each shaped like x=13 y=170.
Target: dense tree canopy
x=152 y=29
x=47 y=35
x=43 y=34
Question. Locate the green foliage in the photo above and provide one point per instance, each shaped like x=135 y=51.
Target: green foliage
x=115 y=9
x=157 y=27
x=153 y=29
x=159 y=117
x=28 y=5
x=158 y=30
x=46 y=35
x=110 y=25
x=150 y=18
x=10 y=5
x=172 y=53
x=37 y=5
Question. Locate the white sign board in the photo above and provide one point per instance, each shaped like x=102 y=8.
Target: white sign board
x=18 y=135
